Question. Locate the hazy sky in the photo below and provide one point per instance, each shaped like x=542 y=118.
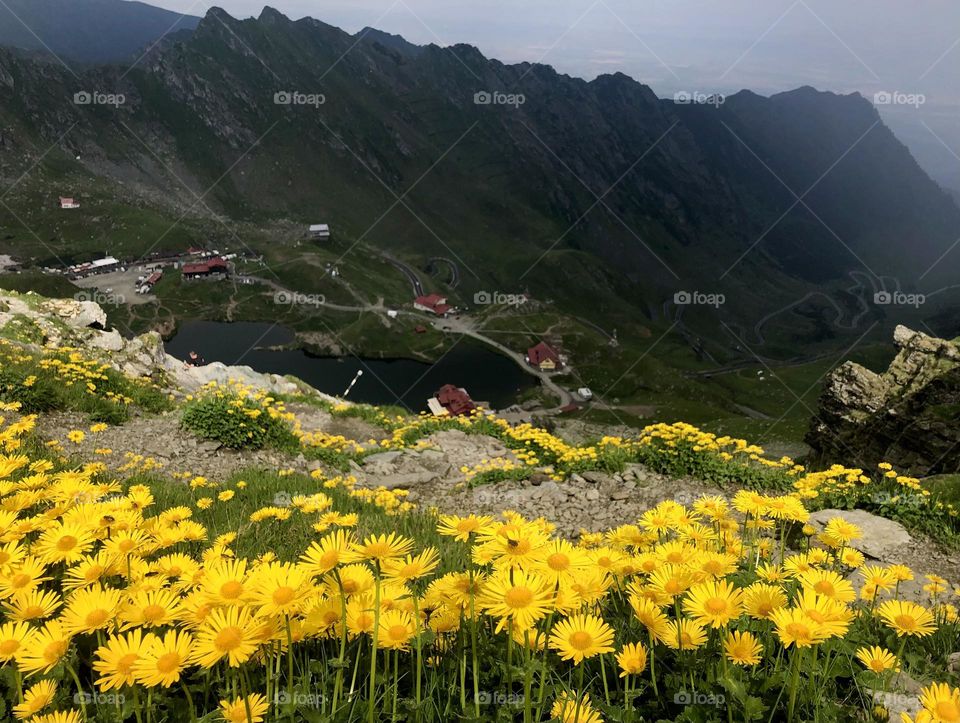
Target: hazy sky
x=906 y=46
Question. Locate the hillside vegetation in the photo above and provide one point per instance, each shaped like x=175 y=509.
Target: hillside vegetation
x=135 y=589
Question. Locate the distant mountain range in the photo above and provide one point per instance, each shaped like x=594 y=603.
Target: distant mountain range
x=597 y=194
x=91 y=31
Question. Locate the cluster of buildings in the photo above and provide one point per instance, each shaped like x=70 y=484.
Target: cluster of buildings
x=319 y=232
x=215 y=267
x=145 y=284
x=433 y=304
x=451 y=401
x=91 y=268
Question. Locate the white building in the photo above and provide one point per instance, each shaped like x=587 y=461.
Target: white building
x=319 y=232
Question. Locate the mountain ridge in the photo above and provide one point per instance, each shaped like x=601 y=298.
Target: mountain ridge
x=520 y=195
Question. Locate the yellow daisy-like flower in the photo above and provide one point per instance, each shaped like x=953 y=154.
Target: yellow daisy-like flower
x=571 y=708
x=226 y=633
x=235 y=711
x=164 y=660
x=684 y=634
x=795 y=628
x=742 y=649
x=35 y=699
x=942 y=702
x=460 y=528
x=632 y=659
x=877 y=659
x=516 y=598
x=396 y=630
x=906 y=618
x=116 y=659
x=714 y=603
x=581 y=636
x=41 y=652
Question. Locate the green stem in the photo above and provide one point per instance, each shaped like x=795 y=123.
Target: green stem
x=286 y=619
x=373 y=651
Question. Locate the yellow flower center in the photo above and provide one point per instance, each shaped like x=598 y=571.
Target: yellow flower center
x=330 y=558
x=55 y=650
x=397 y=632
x=947 y=710
x=125 y=664
x=906 y=622
x=229 y=638
x=716 y=605
x=21 y=579
x=168 y=662
x=825 y=587
x=96 y=618
x=581 y=640
x=283 y=595
x=231 y=590
x=9 y=647
x=558 y=561
x=798 y=631
x=153 y=613
x=518 y=597
x=66 y=543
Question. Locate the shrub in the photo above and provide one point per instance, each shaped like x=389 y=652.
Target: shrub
x=240 y=418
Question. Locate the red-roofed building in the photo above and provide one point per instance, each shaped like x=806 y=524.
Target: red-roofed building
x=543 y=357
x=455 y=400
x=205 y=269
x=434 y=303
x=68 y=203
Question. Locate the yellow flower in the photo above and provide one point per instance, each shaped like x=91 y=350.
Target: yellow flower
x=877 y=659
x=942 y=702
x=235 y=711
x=632 y=659
x=906 y=618
x=581 y=636
x=714 y=603
x=76 y=436
x=35 y=699
x=742 y=649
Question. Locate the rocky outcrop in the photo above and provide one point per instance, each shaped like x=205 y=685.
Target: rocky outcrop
x=54 y=323
x=909 y=415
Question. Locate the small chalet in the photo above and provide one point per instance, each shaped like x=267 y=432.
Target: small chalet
x=434 y=303
x=215 y=267
x=68 y=203
x=150 y=282
x=319 y=232
x=451 y=400
x=543 y=357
